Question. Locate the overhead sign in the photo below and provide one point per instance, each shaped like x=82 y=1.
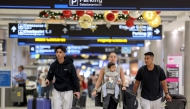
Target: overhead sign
x=93 y=43
x=98 y=4
x=5 y=78
x=50 y=40
x=126 y=50
x=36 y=30
x=50 y=50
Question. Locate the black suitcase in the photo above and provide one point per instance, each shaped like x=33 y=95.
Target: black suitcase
x=178 y=102
x=76 y=103
x=82 y=101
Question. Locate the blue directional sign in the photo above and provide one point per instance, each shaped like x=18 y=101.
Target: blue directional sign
x=39 y=30
x=5 y=78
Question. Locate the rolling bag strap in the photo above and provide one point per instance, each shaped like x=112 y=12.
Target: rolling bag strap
x=34 y=103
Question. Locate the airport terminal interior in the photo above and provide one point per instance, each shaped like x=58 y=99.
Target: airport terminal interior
x=29 y=34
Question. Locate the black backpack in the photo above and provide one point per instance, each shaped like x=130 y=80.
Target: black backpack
x=158 y=69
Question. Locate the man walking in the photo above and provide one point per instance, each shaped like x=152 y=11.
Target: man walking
x=21 y=80
x=153 y=80
x=66 y=80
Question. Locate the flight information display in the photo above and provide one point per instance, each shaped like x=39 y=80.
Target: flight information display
x=37 y=30
x=92 y=43
x=98 y=4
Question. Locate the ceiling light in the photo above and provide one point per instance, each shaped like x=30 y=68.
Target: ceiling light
x=179 y=29
x=147 y=43
x=137 y=48
x=182 y=28
x=175 y=31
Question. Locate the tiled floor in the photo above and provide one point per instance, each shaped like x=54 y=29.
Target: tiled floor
x=89 y=105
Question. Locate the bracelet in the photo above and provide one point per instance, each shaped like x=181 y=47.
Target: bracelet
x=95 y=89
x=166 y=93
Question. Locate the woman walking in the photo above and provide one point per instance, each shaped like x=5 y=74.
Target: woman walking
x=110 y=100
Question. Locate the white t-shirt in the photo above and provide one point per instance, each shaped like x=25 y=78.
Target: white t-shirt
x=43 y=77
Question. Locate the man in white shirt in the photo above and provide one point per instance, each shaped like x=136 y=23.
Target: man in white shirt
x=44 y=87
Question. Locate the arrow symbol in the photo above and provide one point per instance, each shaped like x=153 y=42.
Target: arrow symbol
x=157 y=31
x=13 y=28
x=65 y=30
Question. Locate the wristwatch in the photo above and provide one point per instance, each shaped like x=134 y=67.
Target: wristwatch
x=166 y=93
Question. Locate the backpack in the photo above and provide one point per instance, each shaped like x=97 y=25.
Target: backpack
x=158 y=69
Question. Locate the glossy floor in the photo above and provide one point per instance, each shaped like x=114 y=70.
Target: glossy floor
x=89 y=105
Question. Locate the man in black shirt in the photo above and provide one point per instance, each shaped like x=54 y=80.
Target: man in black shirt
x=151 y=77
x=66 y=80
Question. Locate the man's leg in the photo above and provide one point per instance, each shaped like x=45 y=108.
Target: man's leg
x=42 y=91
x=157 y=104
x=67 y=98
x=47 y=92
x=57 y=101
x=145 y=104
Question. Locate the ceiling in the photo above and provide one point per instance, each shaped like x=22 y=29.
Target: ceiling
x=170 y=19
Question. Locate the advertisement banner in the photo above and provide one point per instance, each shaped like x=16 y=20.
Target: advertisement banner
x=173 y=78
x=175 y=73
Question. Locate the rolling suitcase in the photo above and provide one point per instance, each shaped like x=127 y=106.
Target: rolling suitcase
x=76 y=103
x=17 y=94
x=178 y=102
x=39 y=103
x=82 y=100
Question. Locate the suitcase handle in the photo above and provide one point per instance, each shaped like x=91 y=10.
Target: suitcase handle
x=77 y=100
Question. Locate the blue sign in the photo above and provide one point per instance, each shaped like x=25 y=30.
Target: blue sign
x=126 y=50
x=38 y=30
x=5 y=78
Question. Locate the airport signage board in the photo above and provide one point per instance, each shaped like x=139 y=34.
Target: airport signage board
x=38 y=30
x=98 y=4
x=92 y=43
x=50 y=50
x=6 y=78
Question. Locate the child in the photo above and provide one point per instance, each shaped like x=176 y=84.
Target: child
x=112 y=68
x=110 y=79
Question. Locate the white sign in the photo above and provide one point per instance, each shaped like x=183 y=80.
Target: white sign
x=146 y=31
x=13 y=28
x=85 y=2
x=177 y=59
x=28 y=29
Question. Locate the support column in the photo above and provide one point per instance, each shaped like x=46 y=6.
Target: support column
x=187 y=63
x=143 y=50
x=172 y=43
x=157 y=47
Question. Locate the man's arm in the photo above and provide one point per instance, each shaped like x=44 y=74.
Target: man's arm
x=136 y=86
x=138 y=80
x=75 y=80
x=23 y=78
x=164 y=86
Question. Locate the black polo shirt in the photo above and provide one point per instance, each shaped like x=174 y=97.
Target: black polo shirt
x=150 y=82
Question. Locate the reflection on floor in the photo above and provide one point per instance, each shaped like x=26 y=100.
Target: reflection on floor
x=89 y=105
